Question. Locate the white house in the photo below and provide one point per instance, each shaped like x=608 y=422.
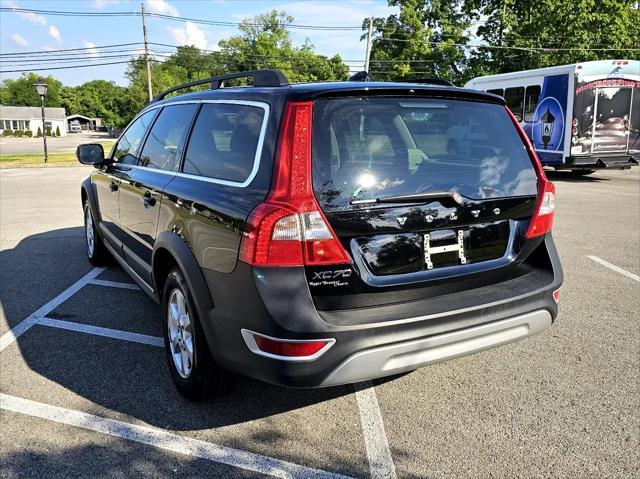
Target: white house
x=30 y=118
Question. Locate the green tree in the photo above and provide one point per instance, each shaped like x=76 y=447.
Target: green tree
x=263 y=42
x=57 y=131
x=566 y=31
x=422 y=40
x=22 y=92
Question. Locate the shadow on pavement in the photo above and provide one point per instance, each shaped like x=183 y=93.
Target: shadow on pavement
x=126 y=377
x=569 y=177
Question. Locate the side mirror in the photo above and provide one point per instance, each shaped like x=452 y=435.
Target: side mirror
x=90 y=154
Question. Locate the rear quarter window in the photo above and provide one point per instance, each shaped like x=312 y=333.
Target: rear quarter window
x=224 y=142
x=366 y=148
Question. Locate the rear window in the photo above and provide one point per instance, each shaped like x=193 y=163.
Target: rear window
x=365 y=148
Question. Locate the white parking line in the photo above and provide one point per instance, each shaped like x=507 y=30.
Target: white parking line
x=99 y=331
x=114 y=284
x=375 y=439
x=613 y=267
x=163 y=439
x=27 y=323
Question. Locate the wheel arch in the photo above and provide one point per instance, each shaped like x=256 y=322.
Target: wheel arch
x=171 y=250
x=87 y=193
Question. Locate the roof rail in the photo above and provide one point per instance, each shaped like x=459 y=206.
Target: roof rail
x=261 y=78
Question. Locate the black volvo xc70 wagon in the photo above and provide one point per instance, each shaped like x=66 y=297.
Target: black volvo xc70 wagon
x=320 y=234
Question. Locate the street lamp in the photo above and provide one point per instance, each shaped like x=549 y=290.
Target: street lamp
x=41 y=88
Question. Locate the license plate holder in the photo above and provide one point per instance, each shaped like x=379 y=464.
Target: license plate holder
x=430 y=251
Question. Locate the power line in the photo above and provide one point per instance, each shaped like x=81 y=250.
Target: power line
x=505 y=47
x=42 y=52
x=64 y=68
x=173 y=18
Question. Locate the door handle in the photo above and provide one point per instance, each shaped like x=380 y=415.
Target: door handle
x=113 y=187
x=148 y=199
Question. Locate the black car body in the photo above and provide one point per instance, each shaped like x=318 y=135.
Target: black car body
x=330 y=233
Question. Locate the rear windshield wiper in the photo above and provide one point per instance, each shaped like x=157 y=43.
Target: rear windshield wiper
x=452 y=198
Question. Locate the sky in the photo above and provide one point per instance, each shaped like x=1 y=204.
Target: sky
x=26 y=32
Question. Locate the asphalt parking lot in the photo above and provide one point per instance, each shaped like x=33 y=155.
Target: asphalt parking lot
x=85 y=390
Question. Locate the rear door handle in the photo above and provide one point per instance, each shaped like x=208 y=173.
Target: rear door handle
x=113 y=186
x=148 y=199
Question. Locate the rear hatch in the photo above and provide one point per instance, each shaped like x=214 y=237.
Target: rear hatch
x=423 y=193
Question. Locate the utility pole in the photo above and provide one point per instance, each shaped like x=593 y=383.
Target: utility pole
x=146 y=52
x=369 y=39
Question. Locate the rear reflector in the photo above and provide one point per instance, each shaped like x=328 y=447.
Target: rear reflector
x=556 y=295
x=287 y=350
x=289 y=228
x=542 y=220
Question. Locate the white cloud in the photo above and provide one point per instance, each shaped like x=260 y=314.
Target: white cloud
x=28 y=16
x=162 y=6
x=101 y=4
x=18 y=40
x=93 y=51
x=189 y=35
x=32 y=17
x=54 y=33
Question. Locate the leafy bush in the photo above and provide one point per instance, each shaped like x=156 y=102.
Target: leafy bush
x=39 y=134
x=18 y=133
x=7 y=132
x=57 y=131
x=48 y=131
x=28 y=133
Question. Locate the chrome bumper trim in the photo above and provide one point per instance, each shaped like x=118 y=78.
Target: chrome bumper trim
x=410 y=355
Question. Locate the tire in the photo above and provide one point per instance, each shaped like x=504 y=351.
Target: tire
x=582 y=172
x=96 y=250
x=192 y=368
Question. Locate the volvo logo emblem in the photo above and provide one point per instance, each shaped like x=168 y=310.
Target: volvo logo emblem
x=429 y=218
x=496 y=211
x=475 y=213
x=402 y=220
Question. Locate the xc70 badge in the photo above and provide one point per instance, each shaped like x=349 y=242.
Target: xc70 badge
x=334 y=278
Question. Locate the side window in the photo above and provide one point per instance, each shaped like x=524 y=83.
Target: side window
x=224 y=142
x=165 y=141
x=531 y=101
x=126 y=149
x=499 y=92
x=515 y=98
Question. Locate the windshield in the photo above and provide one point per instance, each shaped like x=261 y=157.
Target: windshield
x=364 y=148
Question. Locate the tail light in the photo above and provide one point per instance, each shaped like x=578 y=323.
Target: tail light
x=542 y=220
x=289 y=228
x=556 y=295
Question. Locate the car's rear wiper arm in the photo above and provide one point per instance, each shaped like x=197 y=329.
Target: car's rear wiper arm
x=452 y=198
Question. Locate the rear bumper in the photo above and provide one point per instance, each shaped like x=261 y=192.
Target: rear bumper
x=600 y=162
x=410 y=355
x=276 y=302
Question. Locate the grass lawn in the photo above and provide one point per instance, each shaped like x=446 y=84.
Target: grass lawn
x=61 y=158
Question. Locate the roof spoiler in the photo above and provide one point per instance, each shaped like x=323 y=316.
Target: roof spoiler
x=261 y=78
x=430 y=81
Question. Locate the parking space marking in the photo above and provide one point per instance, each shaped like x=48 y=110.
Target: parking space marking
x=99 y=331
x=31 y=320
x=375 y=439
x=613 y=267
x=114 y=284
x=163 y=439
